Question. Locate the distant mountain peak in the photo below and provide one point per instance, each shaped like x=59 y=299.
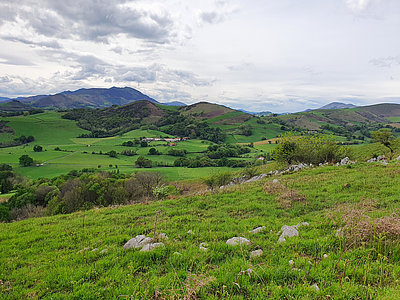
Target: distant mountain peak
x=337 y=105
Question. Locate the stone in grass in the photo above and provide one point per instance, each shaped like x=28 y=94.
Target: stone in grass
x=315 y=287
x=163 y=236
x=325 y=256
x=203 y=246
x=104 y=251
x=288 y=231
x=256 y=253
x=177 y=254
x=257 y=230
x=190 y=231
x=291 y=262
x=238 y=241
x=137 y=242
x=151 y=246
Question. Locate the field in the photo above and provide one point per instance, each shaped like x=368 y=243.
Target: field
x=51 y=131
x=39 y=254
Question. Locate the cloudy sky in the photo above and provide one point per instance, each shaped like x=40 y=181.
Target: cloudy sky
x=258 y=55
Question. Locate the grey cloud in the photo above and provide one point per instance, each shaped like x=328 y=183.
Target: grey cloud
x=47 y=44
x=85 y=20
x=14 y=60
x=386 y=62
x=223 y=9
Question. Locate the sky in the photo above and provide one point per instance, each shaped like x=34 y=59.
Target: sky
x=257 y=55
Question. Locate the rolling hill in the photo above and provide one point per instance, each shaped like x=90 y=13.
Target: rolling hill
x=367 y=115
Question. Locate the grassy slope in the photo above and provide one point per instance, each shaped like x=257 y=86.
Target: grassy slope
x=38 y=255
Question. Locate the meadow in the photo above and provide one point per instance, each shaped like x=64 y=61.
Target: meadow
x=363 y=262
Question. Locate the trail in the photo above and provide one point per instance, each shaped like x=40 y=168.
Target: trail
x=69 y=154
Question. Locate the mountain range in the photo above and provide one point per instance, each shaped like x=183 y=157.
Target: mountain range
x=90 y=98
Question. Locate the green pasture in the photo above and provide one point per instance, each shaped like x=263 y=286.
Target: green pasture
x=81 y=255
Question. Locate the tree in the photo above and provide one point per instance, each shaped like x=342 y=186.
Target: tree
x=112 y=153
x=143 y=144
x=37 y=148
x=385 y=137
x=142 y=162
x=25 y=161
x=154 y=151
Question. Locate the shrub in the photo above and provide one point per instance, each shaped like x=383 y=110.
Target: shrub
x=218 y=179
x=154 y=151
x=112 y=153
x=313 y=149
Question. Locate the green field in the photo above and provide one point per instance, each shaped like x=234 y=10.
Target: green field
x=51 y=131
x=42 y=257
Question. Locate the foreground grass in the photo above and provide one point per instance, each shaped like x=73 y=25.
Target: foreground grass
x=42 y=257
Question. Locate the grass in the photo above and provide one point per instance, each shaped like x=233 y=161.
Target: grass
x=39 y=254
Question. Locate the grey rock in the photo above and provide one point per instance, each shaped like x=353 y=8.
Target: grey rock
x=256 y=253
x=190 y=231
x=345 y=161
x=287 y=231
x=137 y=242
x=151 y=246
x=257 y=230
x=339 y=232
x=380 y=157
x=95 y=249
x=203 y=246
x=275 y=181
x=238 y=241
x=397 y=158
x=104 y=251
x=291 y=262
x=177 y=254
x=384 y=162
x=372 y=160
x=315 y=287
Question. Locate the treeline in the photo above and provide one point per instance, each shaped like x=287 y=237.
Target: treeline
x=78 y=190
x=177 y=124
x=117 y=120
x=17 y=141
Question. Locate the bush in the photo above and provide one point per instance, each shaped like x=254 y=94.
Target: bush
x=154 y=151
x=128 y=152
x=313 y=149
x=218 y=179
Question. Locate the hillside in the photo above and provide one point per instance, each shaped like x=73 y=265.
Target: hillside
x=364 y=115
x=215 y=113
x=348 y=249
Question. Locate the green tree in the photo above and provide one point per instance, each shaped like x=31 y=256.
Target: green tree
x=154 y=151
x=143 y=162
x=385 y=137
x=37 y=148
x=25 y=161
x=112 y=153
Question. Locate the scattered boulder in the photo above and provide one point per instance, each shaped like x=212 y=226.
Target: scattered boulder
x=190 y=231
x=339 y=232
x=151 y=246
x=177 y=254
x=238 y=241
x=291 y=262
x=256 y=178
x=95 y=249
x=287 y=231
x=381 y=157
x=397 y=158
x=103 y=251
x=275 y=181
x=256 y=253
x=257 y=230
x=372 y=159
x=345 y=161
x=325 y=256
x=137 y=242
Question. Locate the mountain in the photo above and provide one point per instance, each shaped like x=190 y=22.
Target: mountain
x=337 y=105
x=88 y=98
x=174 y=103
x=4 y=99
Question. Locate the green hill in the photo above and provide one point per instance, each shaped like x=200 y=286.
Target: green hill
x=362 y=262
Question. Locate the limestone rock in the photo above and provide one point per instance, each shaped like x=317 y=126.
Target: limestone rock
x=163 y=236
x=137 y=242
x=315 y=287
x=238 y=241
x=151 y=246
x=256 y=253
x=345 y=161
x=104 y=251
x=257 y=230
x=288 y=231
